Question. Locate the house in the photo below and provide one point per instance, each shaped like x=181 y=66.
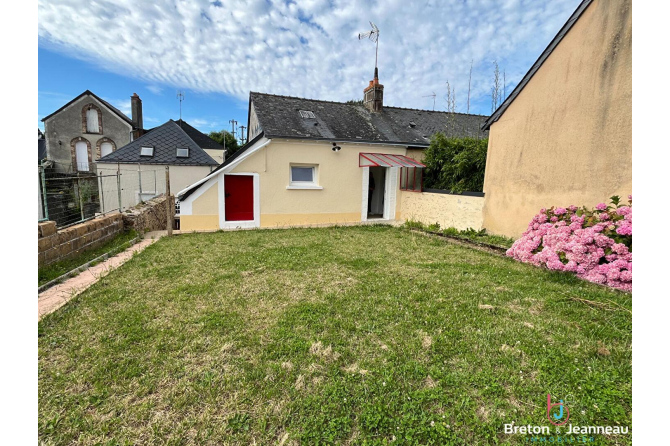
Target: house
x=318 y=162
x=142 y=164
x=564 y=135
x=88 y=128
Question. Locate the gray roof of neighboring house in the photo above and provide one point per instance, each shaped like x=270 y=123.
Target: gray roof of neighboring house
x=538 y=63
x=204 y=141
x=107 y=104
x=279 y=116
x=165 y=140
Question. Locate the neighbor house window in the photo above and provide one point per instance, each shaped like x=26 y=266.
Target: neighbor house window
x=182 y=153
x=106 y=148
x=81 y=153
x=147 y=151
x=303 y=177
x=411 y=179
x=92 y=121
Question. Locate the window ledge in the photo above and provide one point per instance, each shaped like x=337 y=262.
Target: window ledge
x=304 y=187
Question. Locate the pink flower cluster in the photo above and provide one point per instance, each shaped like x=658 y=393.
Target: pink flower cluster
x=594 y=244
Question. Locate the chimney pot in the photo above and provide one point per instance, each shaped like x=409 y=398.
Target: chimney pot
x=373 y=95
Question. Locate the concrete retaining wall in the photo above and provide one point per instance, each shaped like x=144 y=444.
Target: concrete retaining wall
x=53 y=246
x=449 y=210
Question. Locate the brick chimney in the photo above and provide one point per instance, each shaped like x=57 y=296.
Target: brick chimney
x=136 y=110
x=373 y=95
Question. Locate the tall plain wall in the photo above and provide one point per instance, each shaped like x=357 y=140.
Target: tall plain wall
x=151 y=177
x=458 y=211
x=567 y=138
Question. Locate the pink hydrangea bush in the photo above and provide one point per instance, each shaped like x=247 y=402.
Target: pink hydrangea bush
x=596 y=244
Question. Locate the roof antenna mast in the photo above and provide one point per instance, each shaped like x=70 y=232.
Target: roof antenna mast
x=431 y=96
x=180 y=96
x=374 y=36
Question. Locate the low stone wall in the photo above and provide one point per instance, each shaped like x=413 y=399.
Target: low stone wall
x=449 y=210
x=53 y=245
x=148 y=216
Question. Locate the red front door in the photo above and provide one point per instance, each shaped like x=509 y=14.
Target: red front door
x=239 y=197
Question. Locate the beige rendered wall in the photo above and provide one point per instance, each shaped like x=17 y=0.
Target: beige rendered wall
x=338 y=173
x=205 y=211
x=567 y=138
x=153 y=181
x=458 y=211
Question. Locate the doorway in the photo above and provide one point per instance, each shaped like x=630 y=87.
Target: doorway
x=376 y=192
x=239 y=197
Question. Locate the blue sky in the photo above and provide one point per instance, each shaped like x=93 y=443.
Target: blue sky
x=216 y=52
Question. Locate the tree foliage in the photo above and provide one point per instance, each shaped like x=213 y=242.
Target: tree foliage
x=455 y=164
x=231 y=144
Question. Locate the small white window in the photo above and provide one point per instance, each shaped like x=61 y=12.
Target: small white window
x=81 y=153
x=92 y=121
x=307 y=114
x=105 y=149
x=147 y=151
x=303 y=177
x=182 y=153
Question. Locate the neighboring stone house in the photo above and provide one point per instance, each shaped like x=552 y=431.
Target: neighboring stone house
x=564 y=135
x=87 y=128
x=142 y=164
x=318 y=162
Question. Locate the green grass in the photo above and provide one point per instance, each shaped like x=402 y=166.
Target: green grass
x=353 y=335
x=55 y=270
x=477 y=236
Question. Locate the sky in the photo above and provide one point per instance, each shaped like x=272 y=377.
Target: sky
x=216 y=52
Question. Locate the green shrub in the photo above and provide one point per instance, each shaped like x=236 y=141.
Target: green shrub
x=455 y=164
x=435 y=227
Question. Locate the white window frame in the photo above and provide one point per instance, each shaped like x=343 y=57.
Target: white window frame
x=313 y=185
x=307 y=114
x=146 y=147
x=183 y=156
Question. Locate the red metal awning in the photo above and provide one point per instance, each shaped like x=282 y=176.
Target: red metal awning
x=386 y=160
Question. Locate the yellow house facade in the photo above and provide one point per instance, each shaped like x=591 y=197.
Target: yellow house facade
x=312 y=162
x=564 y=135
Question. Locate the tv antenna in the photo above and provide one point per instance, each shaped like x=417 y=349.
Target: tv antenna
x=233 y=123
x=431 y=96
x=180 y=96
x=374 y=36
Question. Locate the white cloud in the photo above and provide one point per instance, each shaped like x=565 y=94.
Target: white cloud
x=308 y=48
x=122 y=104
x=155 y=89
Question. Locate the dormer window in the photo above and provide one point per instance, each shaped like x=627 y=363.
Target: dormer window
x=146 y=151
x=182 y=153
x=306 y=114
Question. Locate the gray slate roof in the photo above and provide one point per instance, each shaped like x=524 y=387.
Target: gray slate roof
x=204 y=141
x=165 y=139
x=279 y=116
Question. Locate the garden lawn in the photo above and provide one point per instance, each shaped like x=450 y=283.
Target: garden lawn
x=356 y=335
